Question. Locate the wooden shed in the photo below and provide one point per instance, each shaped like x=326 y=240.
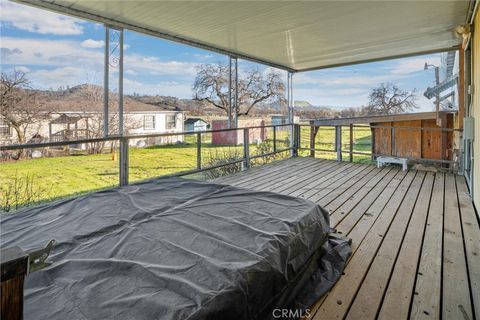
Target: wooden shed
x=408 y=142
x=415 y=136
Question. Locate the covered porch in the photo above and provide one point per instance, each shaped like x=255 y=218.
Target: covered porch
x=415 y=234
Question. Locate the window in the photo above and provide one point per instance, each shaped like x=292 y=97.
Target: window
x=4 y=128
x=171 y=121
x=148 y=122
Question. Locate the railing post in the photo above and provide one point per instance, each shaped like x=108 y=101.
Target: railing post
x=274 y=139
x=123 y=162
x=296 y=140
x=246 y=150
x=351 y=142
x=338 y=142
x=292 y=140
x=372 y=142
x=313 y=134
x=199 y=151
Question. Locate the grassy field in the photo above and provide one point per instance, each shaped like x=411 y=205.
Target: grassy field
x=56 y=177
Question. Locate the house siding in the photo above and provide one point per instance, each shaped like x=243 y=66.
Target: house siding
x=133 y=124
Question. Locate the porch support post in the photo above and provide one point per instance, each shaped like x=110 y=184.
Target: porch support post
x=290 y=111
x=229 y=111
x=235 y=100
x=120 y=85
x=105 y=80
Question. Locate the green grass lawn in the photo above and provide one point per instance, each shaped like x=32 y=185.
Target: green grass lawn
x=55 y=177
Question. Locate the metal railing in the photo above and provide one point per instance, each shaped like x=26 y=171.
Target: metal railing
x=339 y=149
x=294 y=145
x=124 y=148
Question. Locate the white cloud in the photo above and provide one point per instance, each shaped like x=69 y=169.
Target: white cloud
x=37 y=20
x=167 y=88
x=90 y=43
x=157 y=66
x=305 y=79
x=22 y=69
x=57 y=63
x=131 y=72
x=407 y=66
x=54 y=53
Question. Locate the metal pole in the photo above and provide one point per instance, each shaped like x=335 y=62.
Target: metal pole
x=105 y=81
x=123 y=162
x=235 y=104
x=437 y=98
x=313 y=133
x=351 y=143
x=296 y=143
x=338 y=142
x=229 y=111
x=274 y=139
x=246 y=150
x=290 y=109
x=199 y=150
x=120 y=86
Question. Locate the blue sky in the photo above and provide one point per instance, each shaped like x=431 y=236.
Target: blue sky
x=58 y=50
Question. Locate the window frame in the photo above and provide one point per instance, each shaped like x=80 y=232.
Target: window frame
x=5 y=128
x=152 y=124
x=168 y=123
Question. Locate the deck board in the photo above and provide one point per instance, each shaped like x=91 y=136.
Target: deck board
x=456 y=295
x=472 y=242
x=404 y=254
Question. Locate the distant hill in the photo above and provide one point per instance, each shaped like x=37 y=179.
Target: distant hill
x=89 y=97
x=302 y=103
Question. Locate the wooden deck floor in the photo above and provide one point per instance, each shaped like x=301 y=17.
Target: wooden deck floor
x=415 y=237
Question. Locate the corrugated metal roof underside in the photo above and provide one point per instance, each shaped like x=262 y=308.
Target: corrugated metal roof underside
x=295 y=35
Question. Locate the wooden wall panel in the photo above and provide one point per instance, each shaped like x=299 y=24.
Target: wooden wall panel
x=382 y=144
x=408 y=142
x=432 y=141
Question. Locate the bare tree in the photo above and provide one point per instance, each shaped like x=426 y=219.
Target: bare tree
x=93 y=95
x=388 y=98
x=20 y=106
x=254 y=87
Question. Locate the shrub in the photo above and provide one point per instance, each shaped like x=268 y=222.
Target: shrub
x=218 y=156
x=19 y=192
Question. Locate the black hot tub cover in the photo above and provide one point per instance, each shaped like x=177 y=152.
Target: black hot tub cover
x=174 y=248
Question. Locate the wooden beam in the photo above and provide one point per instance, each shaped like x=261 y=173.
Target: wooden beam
x=461 y=87
x=377 y=119
x=13 y=270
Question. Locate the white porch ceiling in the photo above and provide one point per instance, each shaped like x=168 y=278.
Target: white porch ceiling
x=293 y=35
